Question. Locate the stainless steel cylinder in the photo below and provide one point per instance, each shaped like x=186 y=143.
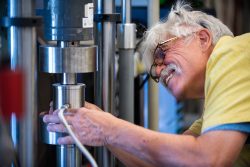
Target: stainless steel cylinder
x=73 y=95
x=69 y=156
x=81 y=59
x=63 y=94
x=126 y=36
x=22 y=49
x=68 y=94
x=69 y=78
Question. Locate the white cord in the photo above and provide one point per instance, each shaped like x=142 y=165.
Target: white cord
x=77 y=142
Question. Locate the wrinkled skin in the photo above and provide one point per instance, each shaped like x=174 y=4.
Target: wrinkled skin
x=88 y=123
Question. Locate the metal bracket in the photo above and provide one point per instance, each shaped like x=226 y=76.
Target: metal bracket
x=20 y=21
x=114 y=17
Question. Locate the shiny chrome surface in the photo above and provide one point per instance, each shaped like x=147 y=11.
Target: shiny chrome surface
x=126 y=11
x=80 y=59
x=69 y=78
x=22 y=49
x=153 y=106
x=46 y=136
x=126 y=84
x=69 y=156
x=68 y=94
x=63 y=94
x=126 y=36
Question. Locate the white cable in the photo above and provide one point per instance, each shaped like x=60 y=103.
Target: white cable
x=72 y=134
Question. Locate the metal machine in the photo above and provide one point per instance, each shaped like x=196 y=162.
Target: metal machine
x=67 y=57
x=68 y=26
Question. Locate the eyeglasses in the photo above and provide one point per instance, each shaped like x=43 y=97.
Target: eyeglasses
x=159 y=55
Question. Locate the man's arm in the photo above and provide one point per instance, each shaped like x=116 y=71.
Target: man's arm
x=215 y=148
x=131 y=160
x=128 y=159
x=94 y=128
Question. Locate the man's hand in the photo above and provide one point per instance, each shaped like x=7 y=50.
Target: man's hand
x=91 y=126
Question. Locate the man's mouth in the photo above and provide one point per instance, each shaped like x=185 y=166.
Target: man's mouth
x=168 y=73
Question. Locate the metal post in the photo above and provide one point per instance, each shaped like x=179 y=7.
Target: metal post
x=126 y=11
x=153 y=106
x=108 y=82
x=98 y=39
x=22 y=47
x=126 y=43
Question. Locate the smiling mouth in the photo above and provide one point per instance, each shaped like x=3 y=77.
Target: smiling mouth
x=167 y=79
x=168 y=73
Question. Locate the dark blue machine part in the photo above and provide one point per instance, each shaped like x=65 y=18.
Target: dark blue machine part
x=63 y=20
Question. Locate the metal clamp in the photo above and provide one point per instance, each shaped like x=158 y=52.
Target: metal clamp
x=21 y=21
x=114 y=17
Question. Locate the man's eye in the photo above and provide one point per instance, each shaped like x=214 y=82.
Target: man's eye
x=162 y=54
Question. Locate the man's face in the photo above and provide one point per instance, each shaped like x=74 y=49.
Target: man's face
x=183 y=68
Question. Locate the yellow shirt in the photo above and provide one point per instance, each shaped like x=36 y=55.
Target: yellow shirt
x=227 y=86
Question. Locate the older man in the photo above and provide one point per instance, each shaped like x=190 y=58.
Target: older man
x=195 y=56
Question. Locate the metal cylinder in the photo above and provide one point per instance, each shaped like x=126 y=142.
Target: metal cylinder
x=108 y=78
x=126 y=84
x=69 y=78
x=63 y=94
x=22 y=49
x=126 y=11
x=126 y=36
x=68 y=156
x=153 y=106
x=68 y=94
x=81 y=59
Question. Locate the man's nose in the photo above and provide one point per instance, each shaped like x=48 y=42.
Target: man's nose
x=158 y=69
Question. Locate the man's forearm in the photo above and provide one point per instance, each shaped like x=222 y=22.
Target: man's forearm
x=152 y=147
x=128 y=159
x=177 y=150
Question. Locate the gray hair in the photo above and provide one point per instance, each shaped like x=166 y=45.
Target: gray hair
x=181 y=22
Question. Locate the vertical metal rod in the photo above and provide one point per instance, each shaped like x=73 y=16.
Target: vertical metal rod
x=126 y=34
x=153 y=106
x=126 y=84
x=108 y=89
x=98 y=30
x=22 y=49
x=69 y=78
x=126 y=11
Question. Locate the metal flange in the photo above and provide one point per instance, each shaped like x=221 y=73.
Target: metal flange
x=80 y=59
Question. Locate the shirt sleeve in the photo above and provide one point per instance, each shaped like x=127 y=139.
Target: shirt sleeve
x=196 y=127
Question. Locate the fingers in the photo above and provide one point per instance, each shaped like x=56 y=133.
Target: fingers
x=55 y=119
x=51 y=107
x=65 y=140
x=51 y=119
x=56 y=128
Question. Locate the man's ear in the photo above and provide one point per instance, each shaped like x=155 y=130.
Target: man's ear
x=205 y=38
